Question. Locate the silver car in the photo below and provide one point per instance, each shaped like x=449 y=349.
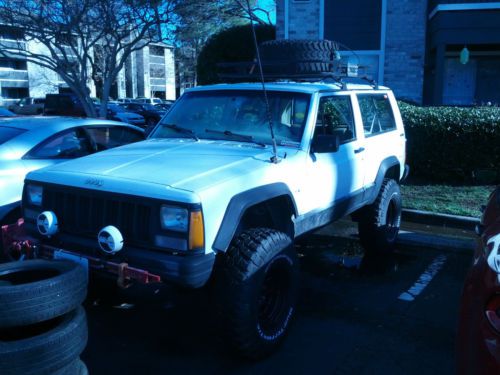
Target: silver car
x=28 y=143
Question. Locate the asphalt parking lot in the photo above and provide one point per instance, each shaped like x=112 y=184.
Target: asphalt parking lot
x=392 y=314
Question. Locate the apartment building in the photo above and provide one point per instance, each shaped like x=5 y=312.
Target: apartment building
x=149 y=72
x=429 y=51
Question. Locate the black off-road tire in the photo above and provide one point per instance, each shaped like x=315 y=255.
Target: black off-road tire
x=256 y=288
x=297 y=56
x=38 y=290
x=379 y=223
x=43 y=348
x=297 y=50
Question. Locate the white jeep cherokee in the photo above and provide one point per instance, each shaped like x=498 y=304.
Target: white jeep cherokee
x=216 y=193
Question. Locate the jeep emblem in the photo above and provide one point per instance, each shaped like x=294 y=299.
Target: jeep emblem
x=94 y=182
x=110 y=239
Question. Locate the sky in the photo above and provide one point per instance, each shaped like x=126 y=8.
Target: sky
x=269 y=5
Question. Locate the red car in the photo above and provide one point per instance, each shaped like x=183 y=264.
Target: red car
x=479 y=323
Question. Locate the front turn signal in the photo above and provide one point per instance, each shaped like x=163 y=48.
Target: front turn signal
x=196 y=231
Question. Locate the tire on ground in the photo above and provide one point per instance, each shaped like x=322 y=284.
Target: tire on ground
x=38 y=290
x=379 y=223
x=43 y=348
x=256 y=288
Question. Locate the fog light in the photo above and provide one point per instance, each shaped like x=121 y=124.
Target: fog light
x=47 y=223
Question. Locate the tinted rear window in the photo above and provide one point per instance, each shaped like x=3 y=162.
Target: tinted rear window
x=7 y=133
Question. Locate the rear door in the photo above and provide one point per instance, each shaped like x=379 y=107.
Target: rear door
x=383 y=136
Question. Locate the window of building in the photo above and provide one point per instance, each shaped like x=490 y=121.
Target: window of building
x=376 y=112
x=156 y=51
x=355 y=23
x=13 y=64
x=14 y=92
x=335 y=117
x=157 y=71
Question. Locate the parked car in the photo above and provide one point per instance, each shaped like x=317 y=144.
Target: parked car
x=163 y=107
x=6 y=113
x=118 y=113
x=214 y=194
x=479 y=321
x=151 y=113
x=28 y=106
x=144 y=100
x=63 y=105
x=27 y=144
x=124 y=100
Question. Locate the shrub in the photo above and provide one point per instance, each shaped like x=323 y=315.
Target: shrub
x=452 y=144
x=230 y=45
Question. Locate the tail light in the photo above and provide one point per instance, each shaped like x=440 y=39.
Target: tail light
x=493 y=312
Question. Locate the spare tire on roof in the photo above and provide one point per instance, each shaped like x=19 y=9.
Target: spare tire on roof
x=297 y=50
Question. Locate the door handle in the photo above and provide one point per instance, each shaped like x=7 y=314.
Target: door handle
x=361 y=149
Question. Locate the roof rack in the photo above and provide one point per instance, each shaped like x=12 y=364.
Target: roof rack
x=296 y=71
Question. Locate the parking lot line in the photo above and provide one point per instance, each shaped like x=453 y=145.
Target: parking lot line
x=424 y=279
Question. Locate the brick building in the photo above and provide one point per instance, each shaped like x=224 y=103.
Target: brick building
x=413 y=46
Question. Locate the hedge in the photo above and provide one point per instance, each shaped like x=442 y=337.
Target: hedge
x=453 y=144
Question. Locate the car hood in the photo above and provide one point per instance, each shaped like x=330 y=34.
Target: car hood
x=183 y=164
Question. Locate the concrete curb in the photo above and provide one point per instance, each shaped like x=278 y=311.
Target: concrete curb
x=431 y=218
x=462 y=245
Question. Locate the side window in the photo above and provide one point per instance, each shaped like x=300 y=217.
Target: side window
x=109 y=137
x=376 y=112
x=67 y=145
x=335 y=117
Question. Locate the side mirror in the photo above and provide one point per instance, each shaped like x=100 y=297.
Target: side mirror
x=325 y=143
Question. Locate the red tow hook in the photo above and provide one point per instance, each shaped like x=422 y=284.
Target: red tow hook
x=16 y=244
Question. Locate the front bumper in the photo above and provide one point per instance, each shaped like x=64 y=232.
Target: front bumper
x=192 y=271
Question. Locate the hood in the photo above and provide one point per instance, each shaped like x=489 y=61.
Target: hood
x=183 y=164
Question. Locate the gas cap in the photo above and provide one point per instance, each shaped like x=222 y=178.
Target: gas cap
x=110 y=239
x=47 y=223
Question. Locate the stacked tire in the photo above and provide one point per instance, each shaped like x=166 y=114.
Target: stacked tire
x=43 y=327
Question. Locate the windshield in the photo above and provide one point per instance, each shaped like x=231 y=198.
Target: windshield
x=238 y=111
x=7 y=133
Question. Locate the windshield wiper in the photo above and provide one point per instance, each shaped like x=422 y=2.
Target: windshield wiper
x=243 y=137
x=180 y=129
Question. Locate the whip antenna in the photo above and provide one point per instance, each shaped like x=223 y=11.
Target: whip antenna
x=274 y=158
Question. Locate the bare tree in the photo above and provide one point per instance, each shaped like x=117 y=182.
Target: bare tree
x=85 y=39
x=198 y=20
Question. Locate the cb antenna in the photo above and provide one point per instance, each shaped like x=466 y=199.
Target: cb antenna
x=274 y=158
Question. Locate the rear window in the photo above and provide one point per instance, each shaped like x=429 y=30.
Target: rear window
x=7 y=133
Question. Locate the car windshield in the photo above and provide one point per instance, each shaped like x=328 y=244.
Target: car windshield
x=217 y=114
x=150 y=107
x=7 y=133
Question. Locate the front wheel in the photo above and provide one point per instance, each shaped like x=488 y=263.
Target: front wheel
x=379 y=223
x=256 y=289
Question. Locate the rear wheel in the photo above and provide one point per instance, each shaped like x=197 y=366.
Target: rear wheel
x=379 y=223
x=256 y=289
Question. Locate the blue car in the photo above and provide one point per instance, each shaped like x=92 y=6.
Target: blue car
x=29 y=143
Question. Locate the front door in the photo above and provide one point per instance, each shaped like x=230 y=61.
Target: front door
x=336 y=177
